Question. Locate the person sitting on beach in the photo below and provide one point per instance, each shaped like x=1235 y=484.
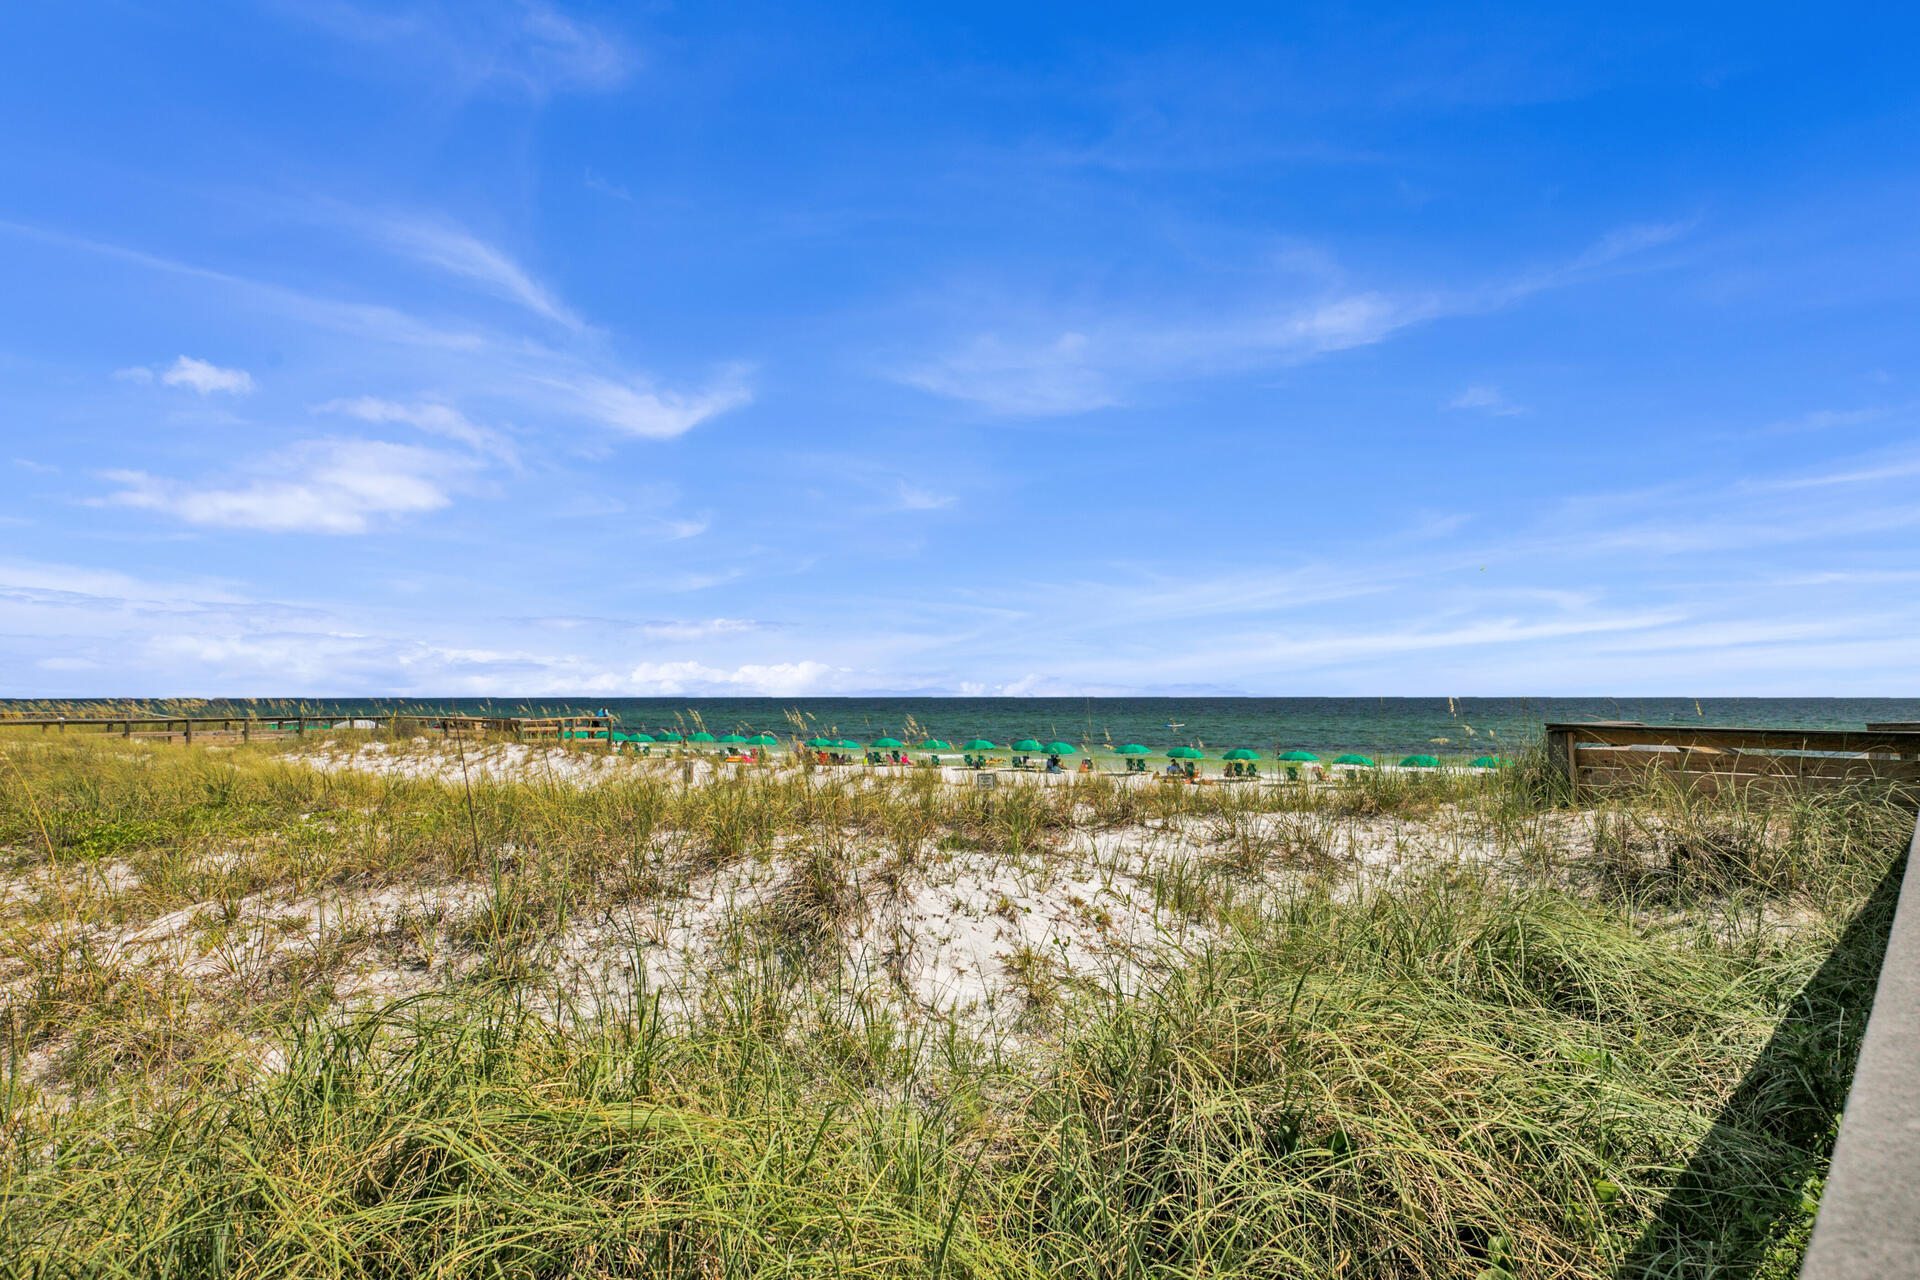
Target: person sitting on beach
x=1053 y=765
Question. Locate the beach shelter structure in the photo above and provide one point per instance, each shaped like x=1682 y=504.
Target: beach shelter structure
x=1300 y=757
x=668 y=735
x=1243 y=753
x=732 y=737
x=1420 y=762
x=1186 y=753
x=1132 y=749
x=637 y=736
x=764 y=740
x=1027 y=744
x=1354 y=757
x=1059 y=748
x=888 y=744
x=978 y=744
x=935 y=744
x=1491 y=762
x=819 y=744
x=846 y=744
x=702 y=736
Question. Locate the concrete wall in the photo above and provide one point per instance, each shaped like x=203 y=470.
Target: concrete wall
x=1869 y=1223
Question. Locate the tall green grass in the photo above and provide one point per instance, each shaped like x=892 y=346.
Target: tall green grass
x=1622 y=1054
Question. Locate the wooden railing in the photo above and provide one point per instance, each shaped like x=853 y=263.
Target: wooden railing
x=524 y=727
x=169 y=726
x=1714 y=758
x=247 y=727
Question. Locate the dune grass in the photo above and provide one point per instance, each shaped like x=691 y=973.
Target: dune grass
x=1620 y=1049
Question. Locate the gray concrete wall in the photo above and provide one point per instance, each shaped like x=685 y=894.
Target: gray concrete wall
x=1869 y=1223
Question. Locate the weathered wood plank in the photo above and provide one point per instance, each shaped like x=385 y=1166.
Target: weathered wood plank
x=1764 y=764
x=1831 y=740
x=1689 y=779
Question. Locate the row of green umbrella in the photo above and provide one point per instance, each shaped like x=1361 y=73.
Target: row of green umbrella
x=1035 y=746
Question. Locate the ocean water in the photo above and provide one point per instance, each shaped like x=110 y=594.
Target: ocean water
x=1377 y=726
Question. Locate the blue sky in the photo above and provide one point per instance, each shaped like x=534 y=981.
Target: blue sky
x=522 y=348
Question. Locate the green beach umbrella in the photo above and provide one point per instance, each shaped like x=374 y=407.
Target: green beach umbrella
x=846 y=744
x=702 y=736
x=817 y=743
x=668 y=735
x=888 y=743
x=1304 y=757
x=1059 y=748
x=731 y=737
x=1026 y=744
x=1186 y=753
x=1243 y=753
x=764 y=740
x=1353 y=757
x=1132 y=749
x=1420 y=762
x=979 y=744
x=639 y=737
x=935 y=744
x=1491 y=762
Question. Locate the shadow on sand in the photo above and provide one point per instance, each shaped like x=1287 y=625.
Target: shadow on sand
x=1740 y=1209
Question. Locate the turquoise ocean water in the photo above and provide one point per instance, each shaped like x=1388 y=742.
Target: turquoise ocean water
x=1373 y=725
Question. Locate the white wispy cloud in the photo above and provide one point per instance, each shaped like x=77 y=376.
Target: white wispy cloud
x=1825 y=420
x=639 y=408
x=1893 y=466
x=1034 y=367
x=318 y=486
x=523 y=45
x=539 y=378
x=1065 y=373
x=195 y=375
x=1098 y=366
x=913 y=497
x=780 y=679
x=684 y=631
x=434 y=418
x=689 y=527
x=207 y=378
x=44 y=583
x=1486 y=399
x=462 y=254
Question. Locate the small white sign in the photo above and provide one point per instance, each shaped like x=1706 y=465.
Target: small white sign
x=985 y=781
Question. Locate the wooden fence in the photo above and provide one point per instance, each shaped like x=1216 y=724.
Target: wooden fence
x=247 y=728
x=1713 y=758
